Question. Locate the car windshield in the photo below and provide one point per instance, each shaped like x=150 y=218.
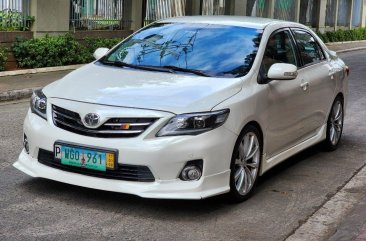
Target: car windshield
x=205 y=49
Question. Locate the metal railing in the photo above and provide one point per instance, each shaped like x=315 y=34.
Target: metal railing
x=161 y=9
x=15 y=15
x=98 y=15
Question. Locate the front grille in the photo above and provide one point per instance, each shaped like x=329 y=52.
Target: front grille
x=114 y=127
x=124 y=172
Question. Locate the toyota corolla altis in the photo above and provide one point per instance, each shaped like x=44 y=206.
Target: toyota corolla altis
x=188 y=108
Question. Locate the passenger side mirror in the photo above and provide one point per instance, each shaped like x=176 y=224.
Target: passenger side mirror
x=282 y=72
x=100 y=52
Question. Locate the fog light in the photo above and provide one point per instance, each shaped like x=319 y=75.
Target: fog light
x=192 y=171
x=26 y=144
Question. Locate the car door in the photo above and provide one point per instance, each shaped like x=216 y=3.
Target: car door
x=286 y=99
x=317 y=80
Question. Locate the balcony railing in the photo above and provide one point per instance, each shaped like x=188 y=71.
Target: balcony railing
x=98 y=15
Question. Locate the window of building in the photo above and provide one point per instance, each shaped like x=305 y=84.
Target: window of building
x=257 y=8
x=284 y=10
x=309 y=10
x=330 y=13
x=213 y=7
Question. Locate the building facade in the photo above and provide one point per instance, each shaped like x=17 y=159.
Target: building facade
x=60 y=16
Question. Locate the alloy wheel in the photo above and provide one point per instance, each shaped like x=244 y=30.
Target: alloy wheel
x=247 y=163
x=336 y=123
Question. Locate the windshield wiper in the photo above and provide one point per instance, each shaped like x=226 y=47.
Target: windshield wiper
x=165 y=68
x=193 y=71
x=143 y=67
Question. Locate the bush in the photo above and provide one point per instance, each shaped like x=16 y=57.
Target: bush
x=92 y=44
x=49 y=51
x=343 y=35
x=3 y=58
x=56 y=51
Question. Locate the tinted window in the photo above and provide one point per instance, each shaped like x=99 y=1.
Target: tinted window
x=280 y=49
x=310 y=51
x=217 y=50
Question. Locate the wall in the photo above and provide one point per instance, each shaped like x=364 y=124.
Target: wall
x=52 y=17
x=6 y=40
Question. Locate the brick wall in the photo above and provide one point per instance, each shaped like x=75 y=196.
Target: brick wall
x=6 y=40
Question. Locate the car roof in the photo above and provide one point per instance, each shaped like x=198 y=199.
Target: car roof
x=241 y=21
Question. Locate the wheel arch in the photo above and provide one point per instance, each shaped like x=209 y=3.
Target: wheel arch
x=260 y=130
x=258 y=126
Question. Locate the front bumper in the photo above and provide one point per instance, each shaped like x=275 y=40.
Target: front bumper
x=164 y=156
x=165 y=189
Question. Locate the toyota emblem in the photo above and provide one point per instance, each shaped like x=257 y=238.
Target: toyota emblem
x=91 y=119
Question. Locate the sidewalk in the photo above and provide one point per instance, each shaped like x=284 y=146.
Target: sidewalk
x=22 y=86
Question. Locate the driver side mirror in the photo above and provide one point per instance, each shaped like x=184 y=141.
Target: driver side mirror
x=100 y=52
x=282 y=71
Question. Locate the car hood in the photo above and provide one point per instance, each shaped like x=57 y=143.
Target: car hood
x=176 y=93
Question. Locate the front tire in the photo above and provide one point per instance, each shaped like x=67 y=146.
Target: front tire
x=334 y=125
x=245 y=164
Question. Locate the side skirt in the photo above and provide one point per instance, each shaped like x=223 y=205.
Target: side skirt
x=271 y=162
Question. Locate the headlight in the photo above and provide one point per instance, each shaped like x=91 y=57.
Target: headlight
x=194 y=123
x=39 y=104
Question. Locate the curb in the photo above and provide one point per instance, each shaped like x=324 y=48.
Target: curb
x=324 y=222
x=39 y=70
x=17 y=94
x=350 y=50
x=345 y=42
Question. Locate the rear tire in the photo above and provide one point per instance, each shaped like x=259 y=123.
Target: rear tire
x=245 y=164
x=334 y=125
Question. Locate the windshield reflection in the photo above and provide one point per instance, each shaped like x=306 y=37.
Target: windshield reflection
x=218 y=50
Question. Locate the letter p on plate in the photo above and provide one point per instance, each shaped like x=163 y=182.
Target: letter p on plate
x=58 y=151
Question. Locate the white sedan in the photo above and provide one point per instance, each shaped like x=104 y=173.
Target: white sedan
x=188 y=108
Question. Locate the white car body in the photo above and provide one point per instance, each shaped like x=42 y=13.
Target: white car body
x=289 y=117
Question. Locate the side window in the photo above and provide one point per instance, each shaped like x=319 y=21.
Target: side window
x=310 y=51
x=280 y=49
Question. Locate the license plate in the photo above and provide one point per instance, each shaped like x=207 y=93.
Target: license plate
x=89 y=158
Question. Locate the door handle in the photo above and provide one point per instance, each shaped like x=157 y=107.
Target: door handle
x=304 y=86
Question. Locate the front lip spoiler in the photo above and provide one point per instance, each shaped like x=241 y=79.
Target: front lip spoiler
x=207 y=186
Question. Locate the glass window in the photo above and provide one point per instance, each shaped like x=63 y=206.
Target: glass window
x=217 y=50
x=310 y=51
x=280 y=49
x=257 y=8
x=330 y=13
x=284 y=9
x=344 y=7
x=357 y=13
x=309 y=10
x=213 y=7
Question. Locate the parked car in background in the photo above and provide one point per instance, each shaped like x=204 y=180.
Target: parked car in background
x=188 y=108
